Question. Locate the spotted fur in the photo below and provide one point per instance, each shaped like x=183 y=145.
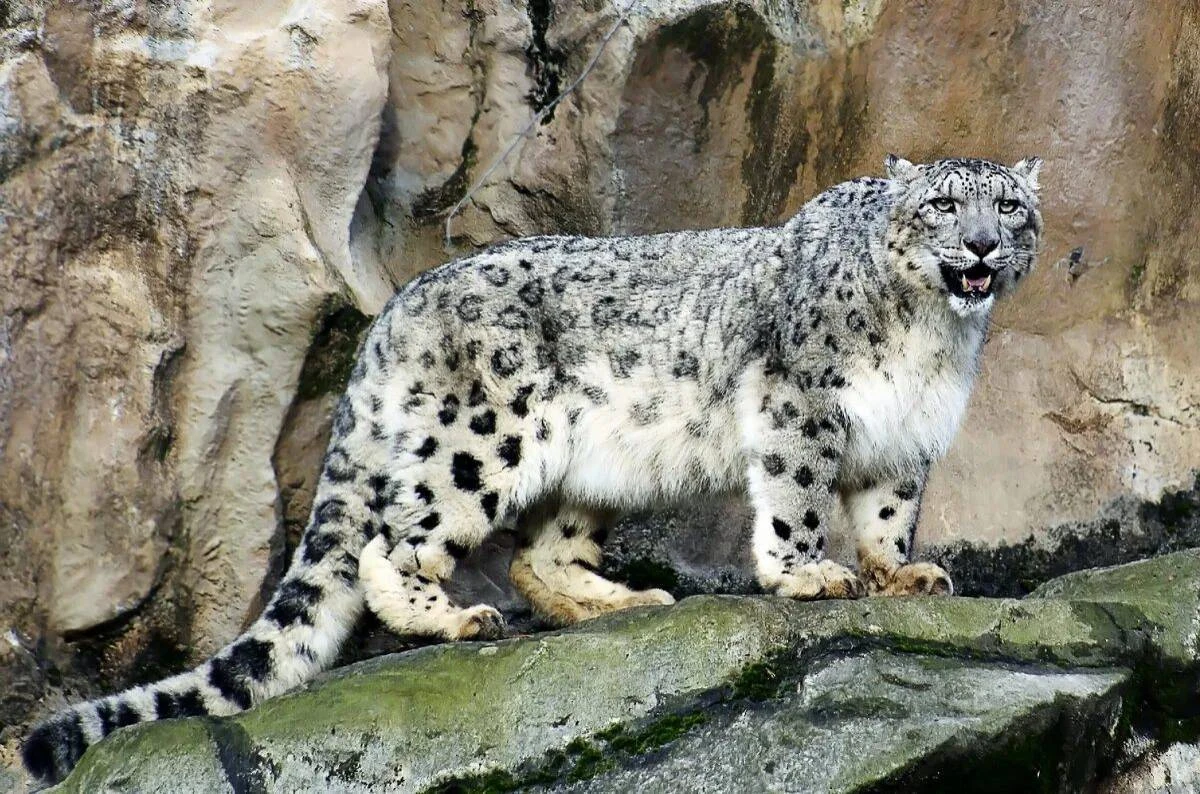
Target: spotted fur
x=551 y=382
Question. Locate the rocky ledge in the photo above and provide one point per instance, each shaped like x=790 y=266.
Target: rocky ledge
x=1060 y=691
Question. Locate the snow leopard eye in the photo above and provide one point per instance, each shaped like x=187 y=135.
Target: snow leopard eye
x=942 y=204
x=1007 y=206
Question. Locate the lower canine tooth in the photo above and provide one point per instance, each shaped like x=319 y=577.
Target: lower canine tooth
x=966 y=284
x=987 y=282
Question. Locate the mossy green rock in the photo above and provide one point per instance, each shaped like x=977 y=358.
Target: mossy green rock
x=852 y=695
x=1163 y=595
x=879 y=719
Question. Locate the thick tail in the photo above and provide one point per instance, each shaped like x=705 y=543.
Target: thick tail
x=297 y=636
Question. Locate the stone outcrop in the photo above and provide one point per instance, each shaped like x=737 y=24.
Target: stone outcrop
x=203 y=204
x=726 y=693
x=178 y=185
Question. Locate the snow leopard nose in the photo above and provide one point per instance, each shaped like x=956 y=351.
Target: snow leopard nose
x=982 y=245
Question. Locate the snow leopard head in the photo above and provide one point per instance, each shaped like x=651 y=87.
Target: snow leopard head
x=965 y=228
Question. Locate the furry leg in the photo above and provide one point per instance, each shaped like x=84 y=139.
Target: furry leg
x=555 y=570
x=884 y=516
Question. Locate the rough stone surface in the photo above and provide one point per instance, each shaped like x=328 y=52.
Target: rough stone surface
x=202 y=204
x=1162 y=590
x=177 y=183
x=729 y=693
x=861 y=721
x=1176 y=770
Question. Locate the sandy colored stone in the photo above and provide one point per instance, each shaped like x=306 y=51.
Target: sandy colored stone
x=178 y=193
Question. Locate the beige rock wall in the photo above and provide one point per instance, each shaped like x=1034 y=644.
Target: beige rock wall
x=177 y=185
x=202 y=203
x=1091 y=385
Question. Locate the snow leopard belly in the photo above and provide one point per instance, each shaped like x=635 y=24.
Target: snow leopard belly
x=643 y=444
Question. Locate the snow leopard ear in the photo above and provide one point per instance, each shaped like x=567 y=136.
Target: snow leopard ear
x=900 y=169
x=1029 y=168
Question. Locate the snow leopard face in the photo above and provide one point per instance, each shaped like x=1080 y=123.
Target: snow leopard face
x=968 y=229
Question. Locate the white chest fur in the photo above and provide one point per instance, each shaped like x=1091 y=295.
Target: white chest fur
x=909 y=408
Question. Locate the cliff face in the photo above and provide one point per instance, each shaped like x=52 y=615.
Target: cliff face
x=202 y=204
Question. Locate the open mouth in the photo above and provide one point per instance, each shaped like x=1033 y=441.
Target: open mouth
x=973 y=284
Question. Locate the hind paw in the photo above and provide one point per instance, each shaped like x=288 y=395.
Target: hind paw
x=480 y=622
x=654 y=597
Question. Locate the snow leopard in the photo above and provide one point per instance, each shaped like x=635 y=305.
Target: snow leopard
x=548 y=384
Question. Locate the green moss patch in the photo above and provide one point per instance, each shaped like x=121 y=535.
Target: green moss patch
x=581 y=759
x=331 y=355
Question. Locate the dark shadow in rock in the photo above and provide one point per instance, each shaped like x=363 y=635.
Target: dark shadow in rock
x=1127 y=530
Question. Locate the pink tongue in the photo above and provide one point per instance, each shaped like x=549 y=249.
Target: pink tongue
x=977 y=283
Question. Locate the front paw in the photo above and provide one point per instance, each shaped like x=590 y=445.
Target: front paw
x=817 y=580
x=917 y=578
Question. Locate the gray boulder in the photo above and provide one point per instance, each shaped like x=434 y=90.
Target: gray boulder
x=1055 y=692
